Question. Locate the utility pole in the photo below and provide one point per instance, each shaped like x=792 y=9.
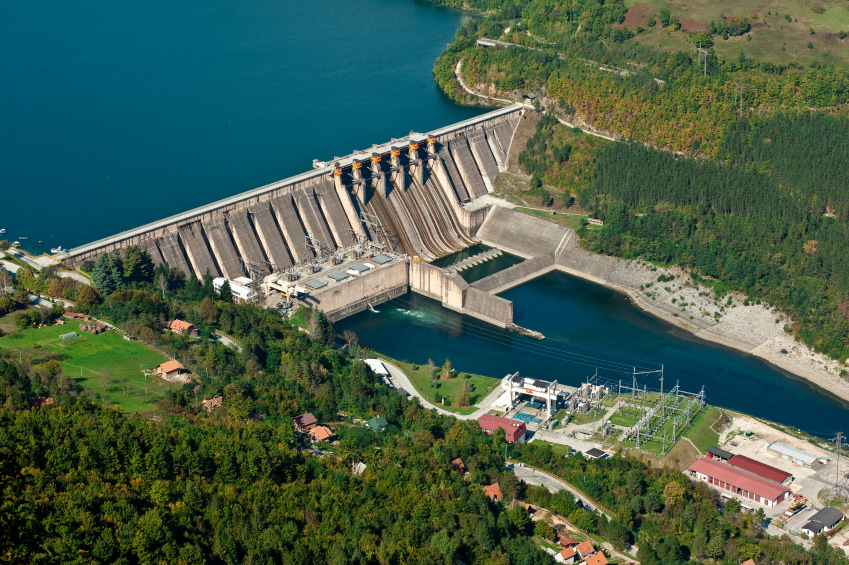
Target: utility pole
x=838 y=447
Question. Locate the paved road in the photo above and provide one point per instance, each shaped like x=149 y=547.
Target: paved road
x=400 y=380
x=534 y=477
x=227 y=341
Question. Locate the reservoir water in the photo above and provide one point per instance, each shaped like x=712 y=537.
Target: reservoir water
x=117 y=114
x=589 y=327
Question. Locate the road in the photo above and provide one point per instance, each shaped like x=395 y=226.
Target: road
x=553 y=484
x=400 y=380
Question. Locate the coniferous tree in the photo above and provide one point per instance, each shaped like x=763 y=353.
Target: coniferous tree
x=225 y=293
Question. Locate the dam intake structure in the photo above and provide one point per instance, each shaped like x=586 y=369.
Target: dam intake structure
x=405 y=196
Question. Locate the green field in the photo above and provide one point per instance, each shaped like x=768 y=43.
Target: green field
x=448 y=389
x=701 y=433
x=107 y=364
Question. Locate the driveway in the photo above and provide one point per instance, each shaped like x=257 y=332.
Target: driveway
x=400 y=380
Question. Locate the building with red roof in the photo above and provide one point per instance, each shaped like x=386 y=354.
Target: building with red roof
x=567 y=555
x=740 y=482
x=182 y=327
x=762 y=469
x=596 y=558
x=585 y=549
x=493 y=492
x=514 y=429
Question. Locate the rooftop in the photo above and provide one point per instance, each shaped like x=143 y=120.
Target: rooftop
x=305 y=419
x=382 y=259
x=316 y=284
x=493 y=492
x=739 y=478
x=758 y=468
x=585 y=548
x=321 y=433
x=720 y=452
x=595 y=453
x=828 y=517
x=792 y=452
x=170 y=366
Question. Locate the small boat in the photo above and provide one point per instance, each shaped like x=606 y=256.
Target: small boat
x=23 y=237
x=58 y=250
x=41 y=242
x=16 y=244
x=2 y=230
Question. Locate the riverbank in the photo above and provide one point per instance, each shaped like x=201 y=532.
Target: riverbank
x=731 y=321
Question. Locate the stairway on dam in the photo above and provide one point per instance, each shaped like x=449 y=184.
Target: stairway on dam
x=406 y=195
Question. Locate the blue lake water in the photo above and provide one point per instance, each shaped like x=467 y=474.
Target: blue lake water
x=117 y=114
x=591 y=328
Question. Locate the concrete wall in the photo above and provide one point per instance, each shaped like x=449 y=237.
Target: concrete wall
x=516 y=275
x=521 y=234
x=455 y=293
x=355 y=294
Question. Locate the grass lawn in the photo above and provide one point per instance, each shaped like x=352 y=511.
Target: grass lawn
x=448 y=389
x=566 y=220
x=106 y=363
x=701 y=433
x=301 y=318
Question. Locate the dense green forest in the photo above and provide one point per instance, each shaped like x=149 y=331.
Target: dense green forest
x=571 y=53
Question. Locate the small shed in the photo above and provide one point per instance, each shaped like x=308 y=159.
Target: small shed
x=595 y=453
x=719 y=454
x=358 y=468
x=530 y=97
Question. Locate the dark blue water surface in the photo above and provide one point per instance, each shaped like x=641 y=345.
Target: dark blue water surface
x=116 y=114
x=589 y=327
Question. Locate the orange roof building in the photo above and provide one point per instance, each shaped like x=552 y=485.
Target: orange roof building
x=596 y=558
x=321 y=433
x=182 y=327
x=493 y=492
x=584 y=549
x=169 y=369
x=567 y=555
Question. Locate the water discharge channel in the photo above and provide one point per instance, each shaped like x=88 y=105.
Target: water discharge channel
x=589 y=327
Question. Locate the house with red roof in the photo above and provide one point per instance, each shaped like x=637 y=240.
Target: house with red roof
x=596 y=558
x=585 y=549
x=170 y=370
x=565 y=540
x=321 y=433
x=567 y=555
x=493 y=492
x=738 y=481
x=514 y=430
x=459 y=466
x=181 y=327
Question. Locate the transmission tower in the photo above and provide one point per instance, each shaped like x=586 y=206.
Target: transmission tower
x=839 y=485
x=703 y=57
x=255 y=269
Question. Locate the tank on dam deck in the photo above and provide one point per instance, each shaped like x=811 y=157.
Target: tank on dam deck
x=405 y=196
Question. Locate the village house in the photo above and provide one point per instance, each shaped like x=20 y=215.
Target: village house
x=584 y=549
x=181 y=327
x=170 y=370
x=305 y=422
x=321 y=433
x=212 y=403
x=493 y=492
x=567 y=555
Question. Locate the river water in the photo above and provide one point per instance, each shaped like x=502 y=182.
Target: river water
x=589 y=329
x=117 y=114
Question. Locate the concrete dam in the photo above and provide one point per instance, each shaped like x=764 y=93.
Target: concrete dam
x=404 y=197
